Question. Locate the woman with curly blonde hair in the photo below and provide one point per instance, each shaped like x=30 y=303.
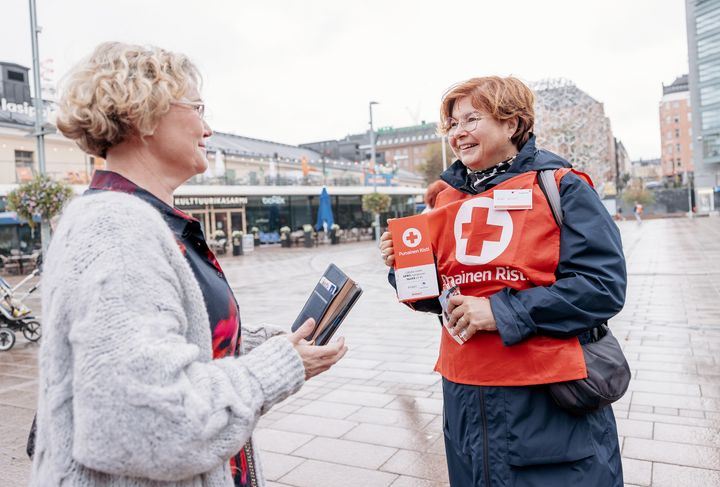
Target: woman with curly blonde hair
x=146 y=376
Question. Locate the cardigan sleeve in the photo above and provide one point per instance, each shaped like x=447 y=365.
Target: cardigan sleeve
x=253 y=336
x=591 y=275
x=145 y=402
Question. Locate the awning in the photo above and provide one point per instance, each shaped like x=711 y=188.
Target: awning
x=11 y=218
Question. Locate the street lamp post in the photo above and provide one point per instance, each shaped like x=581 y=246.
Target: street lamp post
x=374 y=166
x=38 y=104
x=689 y=193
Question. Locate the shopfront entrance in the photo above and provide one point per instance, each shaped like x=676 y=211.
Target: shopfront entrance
x=226 y=213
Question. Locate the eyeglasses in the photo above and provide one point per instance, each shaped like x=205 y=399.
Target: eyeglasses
x=198 y=106
x=469 y=124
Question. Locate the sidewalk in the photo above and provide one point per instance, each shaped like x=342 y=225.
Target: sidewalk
x=375 y=419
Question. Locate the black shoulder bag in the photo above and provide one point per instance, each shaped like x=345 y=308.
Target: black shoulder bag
x=608 y=371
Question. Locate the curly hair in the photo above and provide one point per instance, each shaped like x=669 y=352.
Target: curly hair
x=502 y=98
x=121 y=90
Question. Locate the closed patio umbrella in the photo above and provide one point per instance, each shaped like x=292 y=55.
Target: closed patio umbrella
x=325 y=216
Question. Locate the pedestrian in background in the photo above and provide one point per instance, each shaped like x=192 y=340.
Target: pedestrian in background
x=530 y=296
x=638 y=211
x=432 y=192
x=146 y=377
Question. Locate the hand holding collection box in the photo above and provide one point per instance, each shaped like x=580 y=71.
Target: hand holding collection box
x=415 y=271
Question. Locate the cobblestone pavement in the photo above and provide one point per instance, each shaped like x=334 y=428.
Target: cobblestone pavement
x=375 y=419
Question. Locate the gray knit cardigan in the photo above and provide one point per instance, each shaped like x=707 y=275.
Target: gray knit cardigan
x=128 y=392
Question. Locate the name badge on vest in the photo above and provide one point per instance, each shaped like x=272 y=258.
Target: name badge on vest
x=512 y=199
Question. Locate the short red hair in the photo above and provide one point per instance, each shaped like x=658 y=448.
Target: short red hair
x=501 y=98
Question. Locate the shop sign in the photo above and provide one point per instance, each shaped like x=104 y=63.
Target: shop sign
x=210 y=200
x=273 y=200
x=25 y=108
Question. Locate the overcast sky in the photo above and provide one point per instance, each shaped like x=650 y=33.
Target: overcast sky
x=302 y=71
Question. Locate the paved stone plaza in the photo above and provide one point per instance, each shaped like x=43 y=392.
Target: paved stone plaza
x=375 y=420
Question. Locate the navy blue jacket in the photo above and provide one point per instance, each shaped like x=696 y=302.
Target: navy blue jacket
x=517 y=436
x=591 y=275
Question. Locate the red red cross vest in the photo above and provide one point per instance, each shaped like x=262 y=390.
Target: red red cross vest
x=482 y=250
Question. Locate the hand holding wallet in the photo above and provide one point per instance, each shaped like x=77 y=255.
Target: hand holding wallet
x=333 y=297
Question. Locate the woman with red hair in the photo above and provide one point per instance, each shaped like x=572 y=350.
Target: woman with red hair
x=533 y=289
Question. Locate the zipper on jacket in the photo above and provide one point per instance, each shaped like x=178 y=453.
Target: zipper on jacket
x=486 y=456
x=251 y=463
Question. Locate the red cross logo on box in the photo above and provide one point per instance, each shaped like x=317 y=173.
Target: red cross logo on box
x=412 y=237
x=481 y=233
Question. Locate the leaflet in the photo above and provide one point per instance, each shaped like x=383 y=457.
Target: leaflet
x=415 y=271
x=445 y=316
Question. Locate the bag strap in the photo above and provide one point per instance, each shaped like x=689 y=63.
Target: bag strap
x=546 y=180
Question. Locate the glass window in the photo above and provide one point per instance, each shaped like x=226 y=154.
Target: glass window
x=711 y=146
x=709 y=46
x=708 y=21
x=16 y=76
x=23 y=157
x=709 y=95
x=708 y=71
x=711 y=119
x=24 y=168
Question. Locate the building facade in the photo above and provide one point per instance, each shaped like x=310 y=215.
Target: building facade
x=398 y=150
x=407 y=147
x=647 y=170
x=572 y=124
x=703 y=30
x=249 y=182
x=676 y=131
x=246 y=161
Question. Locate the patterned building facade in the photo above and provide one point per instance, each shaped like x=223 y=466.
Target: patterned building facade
x=571 y=123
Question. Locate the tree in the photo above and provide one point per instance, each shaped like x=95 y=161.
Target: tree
x=376 y=203
x=624 y=181
x=635 y=192
x=433 y=165
x=41 y=196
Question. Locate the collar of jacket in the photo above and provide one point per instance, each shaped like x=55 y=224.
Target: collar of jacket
x=528 y=159
x=178 y=221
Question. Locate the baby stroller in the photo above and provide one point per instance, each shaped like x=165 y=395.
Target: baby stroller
x=15 y=316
